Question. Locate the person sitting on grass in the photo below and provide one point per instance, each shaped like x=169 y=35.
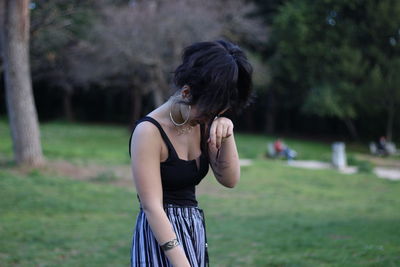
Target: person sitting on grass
x=382 y=146
x=281 y=149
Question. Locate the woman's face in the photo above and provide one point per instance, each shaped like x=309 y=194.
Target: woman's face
x=198 y=118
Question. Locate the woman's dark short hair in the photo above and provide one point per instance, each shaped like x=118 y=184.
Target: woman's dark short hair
x=219 y=76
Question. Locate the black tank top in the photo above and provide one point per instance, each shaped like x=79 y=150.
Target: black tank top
x=178 y=177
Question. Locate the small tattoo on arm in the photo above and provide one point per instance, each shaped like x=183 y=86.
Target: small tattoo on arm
x=219 y=165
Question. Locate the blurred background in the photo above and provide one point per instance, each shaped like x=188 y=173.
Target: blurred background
x=322 y=68
x=319 y=144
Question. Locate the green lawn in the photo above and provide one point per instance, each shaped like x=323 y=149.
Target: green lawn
x=277 y=215
x=255 y=146
x=77 y=142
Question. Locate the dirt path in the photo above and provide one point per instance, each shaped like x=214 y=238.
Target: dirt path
x=391 y=172
x=118 y=175
x=380 y=161
x=313 y=164
x=387 y=173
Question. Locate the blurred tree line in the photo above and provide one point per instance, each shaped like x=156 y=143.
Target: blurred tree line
x=321 y=67
x=336 y=59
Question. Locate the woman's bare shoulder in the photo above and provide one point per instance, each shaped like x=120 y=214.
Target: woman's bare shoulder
x=146 y=133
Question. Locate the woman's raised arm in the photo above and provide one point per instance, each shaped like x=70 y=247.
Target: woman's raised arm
x=145 y=163
x=224 y=157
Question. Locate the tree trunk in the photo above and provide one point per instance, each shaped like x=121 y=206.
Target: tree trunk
x=136 y=102
x=270 y=122
x=67 y=103
x=390 y=121
x=249 y=117
x=352 y=129
x=21 y=109
x=2 y=13
x=160 y=81
x=157 y=97
x=270 y=112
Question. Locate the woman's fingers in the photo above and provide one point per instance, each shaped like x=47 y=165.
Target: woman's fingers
x=229 y=132
x=219 y=134
x=220 y=129
x=212 y=138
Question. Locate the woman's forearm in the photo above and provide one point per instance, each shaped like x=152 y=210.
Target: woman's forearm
x=226 y=162
x=163 y=232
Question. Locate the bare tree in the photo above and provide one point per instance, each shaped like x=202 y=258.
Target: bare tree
x=19 y=96
x=56 y=27
x=141 y=42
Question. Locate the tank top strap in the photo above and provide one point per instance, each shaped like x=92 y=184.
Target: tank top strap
x=171 y=149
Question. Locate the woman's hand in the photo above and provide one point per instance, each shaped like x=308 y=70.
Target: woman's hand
x=224 y=162
x=221 y=128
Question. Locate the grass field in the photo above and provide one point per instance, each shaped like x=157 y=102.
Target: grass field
x=277 y=215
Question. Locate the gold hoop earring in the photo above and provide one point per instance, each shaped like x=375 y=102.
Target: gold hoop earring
x=183 y=123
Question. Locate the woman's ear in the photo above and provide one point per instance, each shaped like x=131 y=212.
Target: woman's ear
x=185 y=92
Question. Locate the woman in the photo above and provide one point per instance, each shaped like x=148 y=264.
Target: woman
x=171 y=149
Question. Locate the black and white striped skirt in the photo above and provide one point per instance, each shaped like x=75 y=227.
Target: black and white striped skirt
x=189 y=226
